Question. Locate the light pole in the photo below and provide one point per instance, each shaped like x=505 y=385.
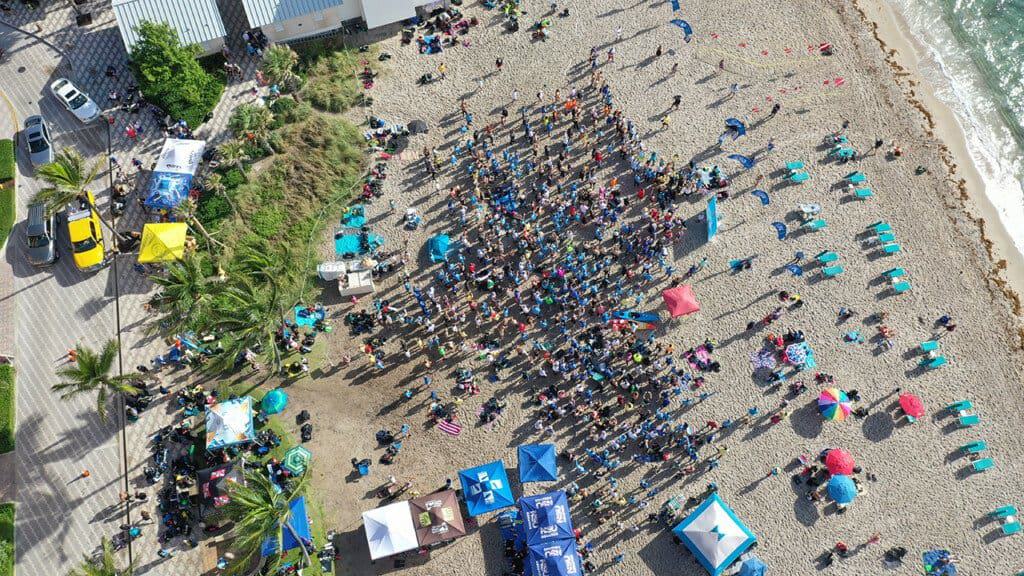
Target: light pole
x=117 y=319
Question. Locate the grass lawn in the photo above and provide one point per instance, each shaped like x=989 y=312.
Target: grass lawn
x=6 y=408
x=7 y=539
x=7 y=208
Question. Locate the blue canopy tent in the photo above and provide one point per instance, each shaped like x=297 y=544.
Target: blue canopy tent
x=486 y=488
x=299 y=522
x=537 y=463
x=558 y=558
x=546 y=518
x=438 y=248
x=167 y=190
x=715 y=535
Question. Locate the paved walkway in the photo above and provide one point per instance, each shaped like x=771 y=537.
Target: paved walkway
x=61 y=517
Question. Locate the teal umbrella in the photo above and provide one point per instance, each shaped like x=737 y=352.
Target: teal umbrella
x=275 y=401
x=297 y=460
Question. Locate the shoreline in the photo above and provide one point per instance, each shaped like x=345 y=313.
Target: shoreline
x=904 y=52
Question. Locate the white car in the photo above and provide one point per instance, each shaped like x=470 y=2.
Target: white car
x=75 y=100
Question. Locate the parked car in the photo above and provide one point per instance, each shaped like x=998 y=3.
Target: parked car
x=37 y=137
x=40 y=242
x=75 y=100
x=86 y=234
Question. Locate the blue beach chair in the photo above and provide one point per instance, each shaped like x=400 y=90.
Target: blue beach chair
x=891 y=248
x=799 y=177
x=794 y=166
x=982 y=465
x=886 y=237
x=832 y=271
x=976 y=447
x=1004 y=511
x=856 y=177
x=826 y=257
x=929 y=346
x=863 y=193
x=894 y=273
x=1011 y=528
x=814 y=225
x=901 y=287
x=880 y=227
x=960 y=405
x=970 y=420
x=937 y=362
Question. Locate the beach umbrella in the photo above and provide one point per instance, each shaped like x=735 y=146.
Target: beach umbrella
x=418 y=127
x=911 y=405
x=839 y=461
x=681 y=300
x=842 y=489
x=537 y=463
x=436 y=517
x=486 y=488
x=546 y=518
x=275 y=401
x=296 y=460
x=753 y=566
x=834 y=404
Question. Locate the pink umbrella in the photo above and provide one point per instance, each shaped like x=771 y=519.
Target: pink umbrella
x=911 y=405
x=681 y=300
x=839 y=461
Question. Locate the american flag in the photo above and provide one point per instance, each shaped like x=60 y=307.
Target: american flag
x=449 y=427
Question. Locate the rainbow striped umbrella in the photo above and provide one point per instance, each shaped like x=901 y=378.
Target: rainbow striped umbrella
x=834 y=404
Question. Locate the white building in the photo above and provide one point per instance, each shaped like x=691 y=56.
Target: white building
x=284 y=20
x=196 y=21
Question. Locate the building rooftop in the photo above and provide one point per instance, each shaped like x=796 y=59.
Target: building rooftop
x=263 y=12
x=196 y=21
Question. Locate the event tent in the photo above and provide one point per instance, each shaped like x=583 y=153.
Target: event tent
x=558 y=558
x=298 y=520
x=486 y=488
x=438 y=247
x=546 y=518
x=213 y=486
x=172 y=177
x=162 y=242
x=537 y=463
x=681 y=300
x=436 y=517
x=229 y=423
x=389 y=530
x=714 y=534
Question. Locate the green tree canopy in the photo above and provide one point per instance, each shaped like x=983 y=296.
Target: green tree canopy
x=171 y=77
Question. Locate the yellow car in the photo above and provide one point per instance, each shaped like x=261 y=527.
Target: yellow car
x=86 y=234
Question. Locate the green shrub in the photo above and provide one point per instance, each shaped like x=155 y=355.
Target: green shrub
x=6 y=408
x=7 y=162
x=7 y=209
x=7 y=539
x=170 y=75
x=332 y=84
x=212 y=210
x=267 y=221
x=234 y=178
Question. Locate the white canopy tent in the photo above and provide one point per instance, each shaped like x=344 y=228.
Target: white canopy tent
x=715 y=535
x=389 y=530
x=180 y=156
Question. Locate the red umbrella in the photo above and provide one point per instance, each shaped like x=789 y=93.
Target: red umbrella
x=681 y=300
x=911 y=405
x=839 y=461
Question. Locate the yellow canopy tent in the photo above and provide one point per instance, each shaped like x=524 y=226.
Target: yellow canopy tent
x=162 y=242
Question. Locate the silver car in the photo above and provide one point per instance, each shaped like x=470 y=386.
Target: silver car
x=75 y=100
x=37 y=136
x=40 y=243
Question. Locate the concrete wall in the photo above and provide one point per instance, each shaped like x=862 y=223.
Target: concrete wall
x=314 y=23
x=212 y=46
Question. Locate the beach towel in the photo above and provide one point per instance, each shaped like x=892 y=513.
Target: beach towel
x=449 y=427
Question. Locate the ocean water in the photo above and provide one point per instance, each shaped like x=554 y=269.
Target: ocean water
x=975 y=62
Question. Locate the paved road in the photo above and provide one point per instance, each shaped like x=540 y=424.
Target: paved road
x=61 y=516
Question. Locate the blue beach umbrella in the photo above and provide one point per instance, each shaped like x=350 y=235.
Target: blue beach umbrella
x=546 y=518
x=753 y=566
x=537 y=463
x=486 y=488
x=275 y=401
x=842 y=489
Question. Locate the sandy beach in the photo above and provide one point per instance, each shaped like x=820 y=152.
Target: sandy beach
x=924 y=495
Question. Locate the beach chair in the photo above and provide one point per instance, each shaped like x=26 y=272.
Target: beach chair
x=937 y=362
x=794 y=166
x=891 y=248
x=886 y=237
x=826 y=257
x=1004 y=511
x=970 y=420
x=799 y=177
x=976 y=447
x=814 y=225
x=832 y=271
x=863 y=193
x=894 y=273
x=856 y=177
x=929 y=346
x=982 y=465
x=960 y=405
x=364 y=469
x=1011 y=528
x=901 y=287
x=880 y=227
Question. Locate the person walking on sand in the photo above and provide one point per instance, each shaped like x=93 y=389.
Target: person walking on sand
x=611 y=54
x=658 y=52
x=618 y=33
x=665 y=121
x=515 y=95
x=676 y=101
x=721 y=66
x=498 y=64
x=442 y=69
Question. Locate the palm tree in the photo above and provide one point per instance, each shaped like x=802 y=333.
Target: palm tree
x=91 y=373
x=104 y=565
x=259 y=511
x=214 y=183
x=252 y=123
x=68 y=177
x=233 y=154
x=185 y=292
x=247 y=313
x=186 y=211
x=279 y=65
